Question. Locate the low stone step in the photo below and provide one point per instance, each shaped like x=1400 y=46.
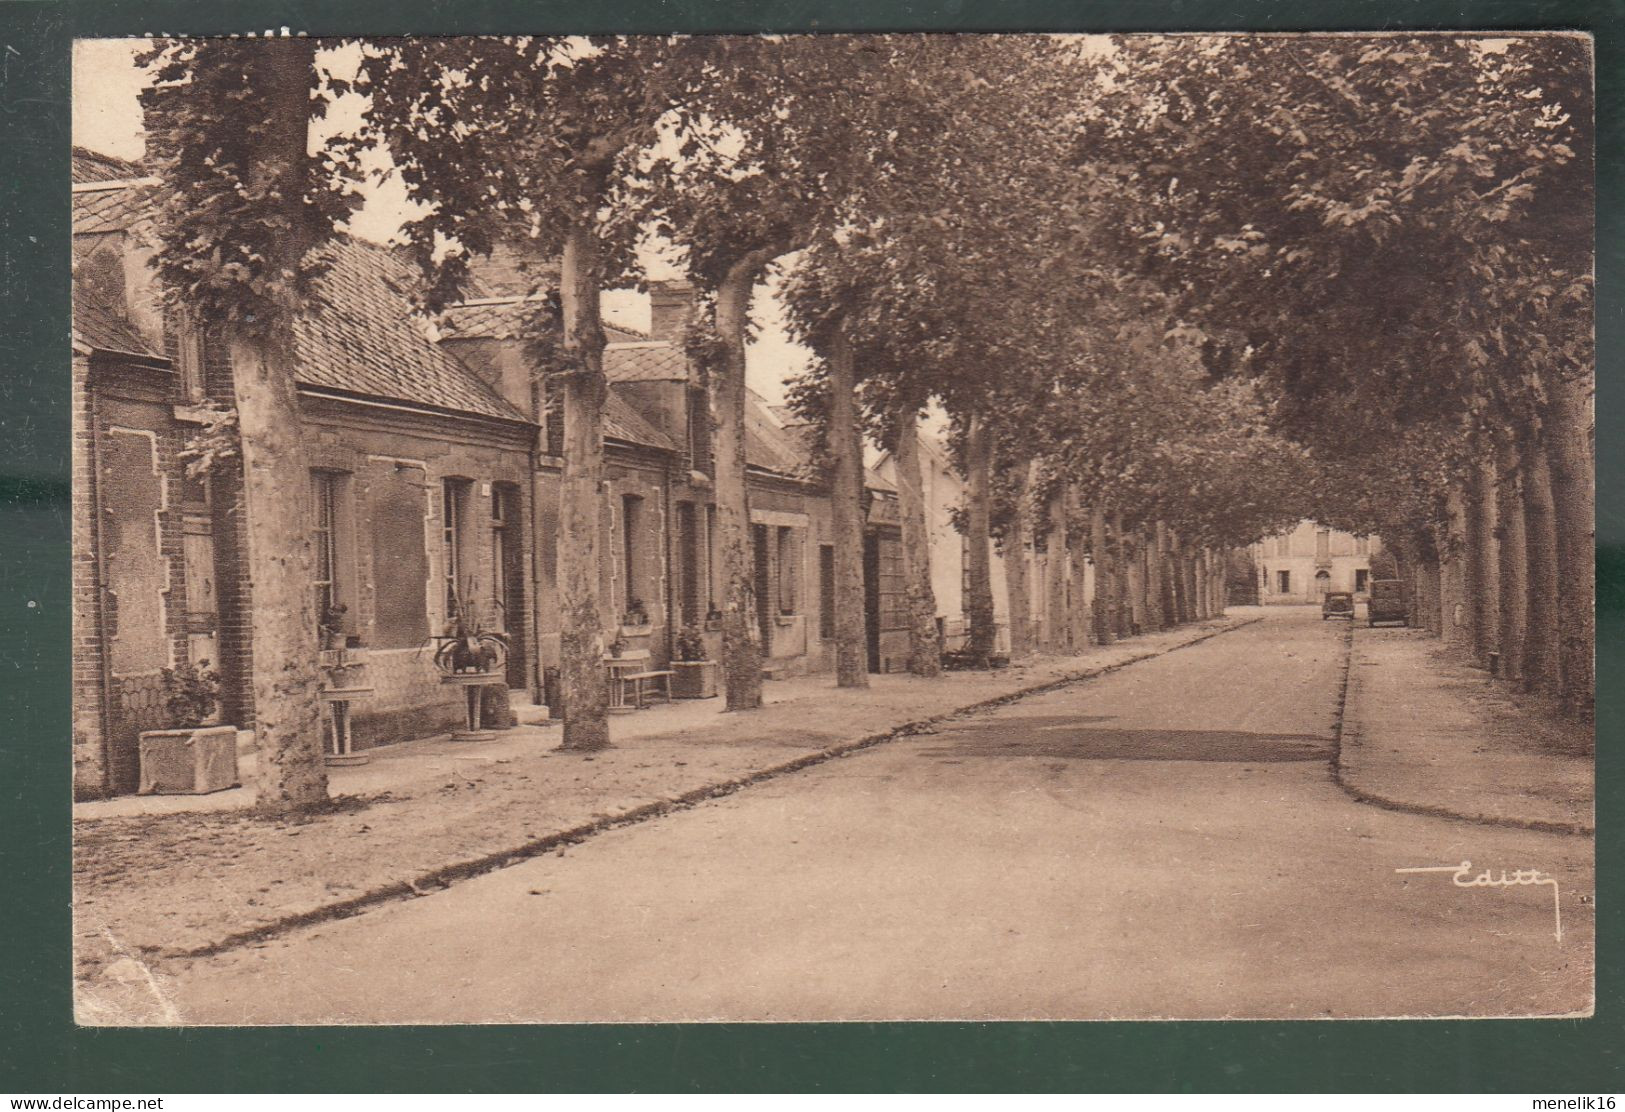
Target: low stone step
x=527 y=713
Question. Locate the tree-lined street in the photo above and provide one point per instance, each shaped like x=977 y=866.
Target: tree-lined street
x=1165 y=840
x=1089 y=322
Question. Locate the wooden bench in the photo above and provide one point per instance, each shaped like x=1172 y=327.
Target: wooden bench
x=645 y=684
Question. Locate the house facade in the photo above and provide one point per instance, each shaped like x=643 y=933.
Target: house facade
x=434 y=486
x=1305 y=563
x=944 y=491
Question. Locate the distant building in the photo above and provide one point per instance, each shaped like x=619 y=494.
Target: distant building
x=1302 y=565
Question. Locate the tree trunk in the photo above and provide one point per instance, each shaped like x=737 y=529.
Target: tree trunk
x=1571 y=463
x=1174 y=573
x=1204 y=584
x=1193 y=561
x=1120 y=585
x=1079 y=604
x=924 y=653
x=1512 y=576
x=1539 y=668
x=1481 y=559
x=846 y=449
x=1454 y=605
x=1156 y=587
x=1139 y=619
x=741 y=636
x=291 y=774
x=1056 y=637
x=1015 y=567
x=1104 y=574
x=583 y=679
x=288 y=712
x=978 y=560
x=1428 y=589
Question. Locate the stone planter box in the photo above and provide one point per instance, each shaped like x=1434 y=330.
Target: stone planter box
x=189 y=762
x=694 y=679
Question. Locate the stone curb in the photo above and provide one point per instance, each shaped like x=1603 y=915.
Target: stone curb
x=442 y=878
x=1345 y=778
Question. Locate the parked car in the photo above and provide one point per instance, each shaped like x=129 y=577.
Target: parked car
x=1337 y=604
x=1387 y=602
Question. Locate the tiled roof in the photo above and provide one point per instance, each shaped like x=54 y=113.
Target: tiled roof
x=98 y=325
x=506 y=319
x=645 y=361
x=109 y=210
x=367 y=341
x=624 y=423
x=105 y=210
x=89 y=165
x=769 y=447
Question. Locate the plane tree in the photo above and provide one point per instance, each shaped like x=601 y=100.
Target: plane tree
x=247 y=207
x=1401 y=223
x=540 y=137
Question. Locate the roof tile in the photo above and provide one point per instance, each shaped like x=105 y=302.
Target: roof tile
x=366 y=339
x=99 y=325
x=645 y=362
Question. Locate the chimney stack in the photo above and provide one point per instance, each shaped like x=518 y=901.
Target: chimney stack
x=669 y=306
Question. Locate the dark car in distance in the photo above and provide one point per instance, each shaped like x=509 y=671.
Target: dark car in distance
x=1337 y=604
x=1387 y=602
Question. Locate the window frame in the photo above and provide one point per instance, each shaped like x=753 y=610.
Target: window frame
x=454 y=555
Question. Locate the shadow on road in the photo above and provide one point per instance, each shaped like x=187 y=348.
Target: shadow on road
x=1071 y=737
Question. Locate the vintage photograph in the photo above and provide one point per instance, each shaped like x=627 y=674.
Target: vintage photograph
x=832 y=528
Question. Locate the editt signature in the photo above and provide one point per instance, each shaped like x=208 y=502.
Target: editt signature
x=1462 y=876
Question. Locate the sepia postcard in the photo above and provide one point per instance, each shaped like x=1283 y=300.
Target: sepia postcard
x=835 y=527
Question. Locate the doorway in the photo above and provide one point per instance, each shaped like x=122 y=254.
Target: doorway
x=762 y=567
x=1323 y=584
x=871 y=599
x=508 y=578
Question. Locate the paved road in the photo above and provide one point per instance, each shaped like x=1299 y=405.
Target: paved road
x=1164 y=841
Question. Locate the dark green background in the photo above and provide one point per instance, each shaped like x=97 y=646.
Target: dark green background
x=41 y=1052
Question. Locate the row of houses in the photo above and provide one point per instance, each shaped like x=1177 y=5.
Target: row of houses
x=435 y=471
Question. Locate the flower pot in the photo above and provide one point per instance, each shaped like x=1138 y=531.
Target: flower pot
x=188 y=762
x=694 y=679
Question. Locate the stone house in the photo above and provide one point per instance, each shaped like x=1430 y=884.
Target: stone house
x=434 y=485
x=420 y=494
x=1305 y=563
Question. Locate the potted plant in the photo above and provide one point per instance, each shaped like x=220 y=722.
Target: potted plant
x=473 y=656
x=190 y=756
x=468 y=647
x=694 y=674
x=636 y=618
x=618 y=645
x=332 y=626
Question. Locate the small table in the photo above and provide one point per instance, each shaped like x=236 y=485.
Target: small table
x=471 y=683
x=338 y=704
x=621 y=667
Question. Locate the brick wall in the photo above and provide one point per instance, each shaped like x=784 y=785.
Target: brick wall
x=127 y=501
x=89 y=725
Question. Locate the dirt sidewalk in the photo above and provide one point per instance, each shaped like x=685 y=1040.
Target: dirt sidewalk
x=1426 y=732
x=155 y=886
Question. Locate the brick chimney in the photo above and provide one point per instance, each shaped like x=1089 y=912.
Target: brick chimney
x=669 y=305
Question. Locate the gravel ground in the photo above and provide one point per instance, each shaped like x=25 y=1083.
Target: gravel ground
x=153 y=887
x=1427 y=731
